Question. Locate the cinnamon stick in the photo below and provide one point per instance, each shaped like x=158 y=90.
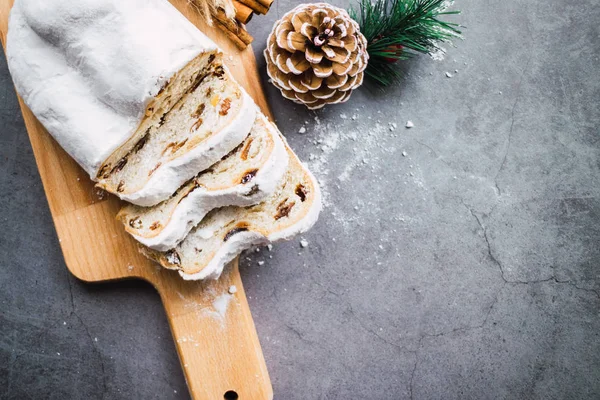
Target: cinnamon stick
x=232 y=36
x=255 y=5
x=235 y=31
x=243 y=13
x=234 y=27
x=266 y=3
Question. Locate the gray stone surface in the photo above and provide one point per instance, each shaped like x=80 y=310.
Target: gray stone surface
x=467 y=269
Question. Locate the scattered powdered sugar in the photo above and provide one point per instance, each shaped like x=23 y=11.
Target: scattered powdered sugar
x=446 y=4
x=220 y=304
x=367 y=136
x=100 y=193
x=341 y=147
x=438 y=54
x=208 y=303
x=329 y=143
x=303 y=243
x=327 y=140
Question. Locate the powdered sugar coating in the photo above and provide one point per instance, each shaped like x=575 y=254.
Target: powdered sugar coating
x=87 y=69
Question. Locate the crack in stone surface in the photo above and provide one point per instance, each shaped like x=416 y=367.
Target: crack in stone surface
x=501 y=267
x=13 y=360
x=435 y=153
x=468 y=328
x=327 y=290
x=580 y=288
x=485 y=320
x=512 y=124
x=486 y=239
x=297 y=332
x=440 y=334
x=412 y=375
x=384 y=340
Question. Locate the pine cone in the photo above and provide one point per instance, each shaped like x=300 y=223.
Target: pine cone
x=316 y=55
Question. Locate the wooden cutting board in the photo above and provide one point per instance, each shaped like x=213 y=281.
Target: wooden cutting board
x=213 y=330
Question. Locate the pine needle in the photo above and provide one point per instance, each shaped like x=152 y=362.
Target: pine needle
x=398 y=29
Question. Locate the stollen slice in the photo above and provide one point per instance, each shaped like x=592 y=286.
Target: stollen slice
x=227 y=231
x=246 y=176
x=206 y=124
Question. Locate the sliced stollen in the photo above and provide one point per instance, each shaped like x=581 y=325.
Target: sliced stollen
x=204 y=125
x=246 y=176
x=99 y=75
x=227 y=231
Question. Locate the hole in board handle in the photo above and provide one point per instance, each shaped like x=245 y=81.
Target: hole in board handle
x=231 y=395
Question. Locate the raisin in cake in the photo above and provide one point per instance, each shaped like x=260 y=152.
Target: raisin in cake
x=107 y=78
x=225 y=232
x=246 y=176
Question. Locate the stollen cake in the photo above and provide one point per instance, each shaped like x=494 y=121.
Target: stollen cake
x=142 y=101
x=108 y=77
x=246 y=176
x=225 y=232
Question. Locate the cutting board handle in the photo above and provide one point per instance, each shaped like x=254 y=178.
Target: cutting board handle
x=215 y=338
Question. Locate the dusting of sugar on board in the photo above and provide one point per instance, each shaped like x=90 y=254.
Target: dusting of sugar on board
x=221 y=303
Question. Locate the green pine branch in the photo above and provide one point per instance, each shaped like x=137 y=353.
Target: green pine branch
x=398 y=29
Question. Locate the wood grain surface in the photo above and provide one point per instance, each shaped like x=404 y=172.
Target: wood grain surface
x=219 y=350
